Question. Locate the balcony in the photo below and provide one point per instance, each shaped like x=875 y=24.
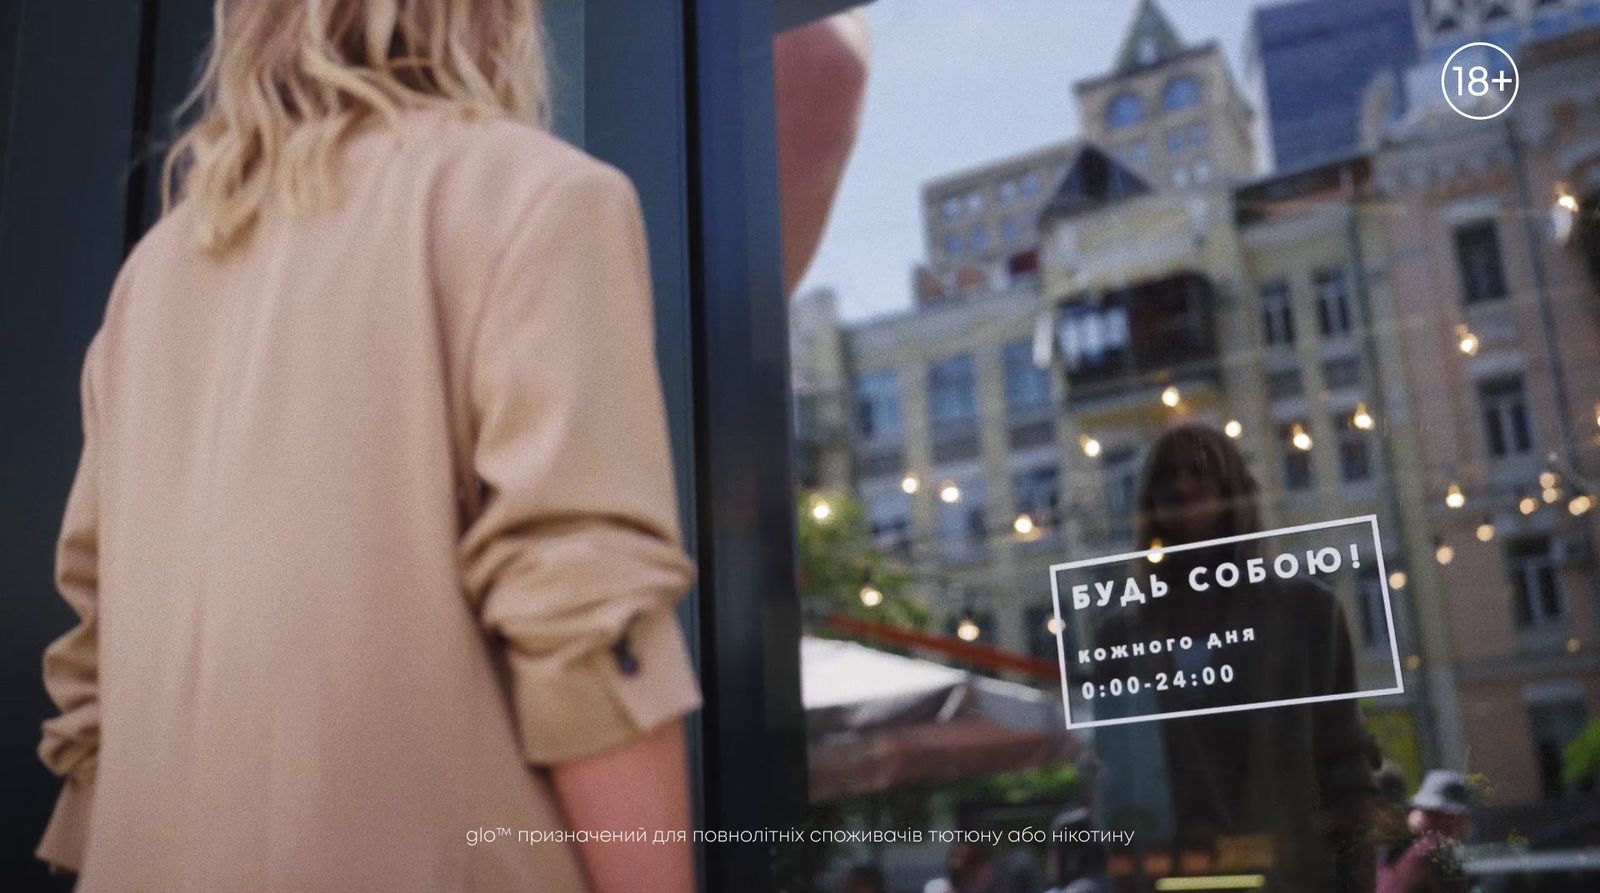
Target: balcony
x=1153 y=332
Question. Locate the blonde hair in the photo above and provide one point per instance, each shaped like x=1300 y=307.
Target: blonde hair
x=286 y=81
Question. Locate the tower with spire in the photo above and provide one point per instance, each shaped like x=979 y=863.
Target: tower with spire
x=1168 y=110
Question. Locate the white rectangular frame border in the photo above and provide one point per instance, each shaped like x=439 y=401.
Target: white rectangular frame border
x=1388 y=616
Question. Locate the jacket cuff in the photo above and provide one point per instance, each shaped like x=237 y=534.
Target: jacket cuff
x=67 y=834
x=609 y=697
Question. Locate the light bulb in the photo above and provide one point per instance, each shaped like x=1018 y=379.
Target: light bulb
x=1055 y=626
x=821 y=510
x=1091 y=447
x=1548 y=479
x=1362 y=418
x=1485 y=532
x=950 y=492
x=1171 y=397
x=1528 y=505
x=1233 y=429
x=968 y=630
x=1466 y=341
x=910 y=484
x=1299 y=437
x=1024 y=525
x=1568 y=202
x=1446 y=553
x=1156 y=554
x=1454 y=498
x=1580 y=504
x=1551 y=494
x=1397 y=580
x=871 y=596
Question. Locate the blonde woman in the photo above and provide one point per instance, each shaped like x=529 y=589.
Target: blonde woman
x=374 y=538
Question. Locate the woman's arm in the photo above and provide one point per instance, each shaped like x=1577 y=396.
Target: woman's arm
x=603 y=791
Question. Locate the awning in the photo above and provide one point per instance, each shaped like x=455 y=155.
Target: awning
x=877 y=721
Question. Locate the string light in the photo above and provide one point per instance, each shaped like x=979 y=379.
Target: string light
x=1551 y=494
x=871 y=596
x=1156 y=554
x=1299 y=437
x=1528 y=505
x=1573 y=645
x=1445 y=554
x=821 y=510
x=1467 y=341
x=1548 y=479
x=949 y=492
x=1362 y=418
x=1454 y=498
x=1413 y=662
x=1568 y=202
x=1055 y=626
x=968 y=630
x=1580 y=504
x=1486 y=531
x=1171 y=397
x=1090 y=446
x=1597 y=413
x=910 y=484
x=1397 y=580
x=1026 y=529
x=1233 y=429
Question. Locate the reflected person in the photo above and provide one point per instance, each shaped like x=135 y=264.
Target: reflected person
x=1288 y=785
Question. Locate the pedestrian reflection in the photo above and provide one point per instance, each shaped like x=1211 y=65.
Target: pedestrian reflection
x=1280 y=791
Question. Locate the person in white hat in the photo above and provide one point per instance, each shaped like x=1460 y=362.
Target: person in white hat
x=1440 y=817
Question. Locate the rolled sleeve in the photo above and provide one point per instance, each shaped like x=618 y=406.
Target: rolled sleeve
x=575 y=557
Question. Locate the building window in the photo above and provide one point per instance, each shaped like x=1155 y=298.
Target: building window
x=1296 y=462
x=1355 y=450
x=1008 y=191
x=978 y=238
x=1199 y=135
x=1177 y=141
x=1038 y=494
x=1125 y=110
x=1092 y=337
x=1277 y=314
x=952 y=243
x=1483 y=276
x=1344 y=373
x=889 y=520
x=1031 y=184
x=1180 y=93
x=983 y=618
x=975 y=202
x=963 y=524
x=1505 y=417
x=1122 y=493
x=1180 y=176
x=1011 y=230
x=1554 y=726
x=951 y=208
x=952 y=400
x=1333 y=302
x=1374 y=622
x=1027 y=386
x=1284 y=383
x=1041 y=641
x=1533 y=579
x=878 y=405
x=1202 y=171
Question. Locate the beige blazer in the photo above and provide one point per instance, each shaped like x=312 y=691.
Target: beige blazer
x=374 y=518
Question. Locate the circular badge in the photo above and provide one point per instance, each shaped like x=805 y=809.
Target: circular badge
x=1480 y=81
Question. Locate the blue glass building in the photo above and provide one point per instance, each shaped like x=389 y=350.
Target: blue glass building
x=1310 y=62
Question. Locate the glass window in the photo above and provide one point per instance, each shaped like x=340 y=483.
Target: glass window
x=1031 y=184
x=1011 y=230
x=1533 y=577
x=1027 y=385
x=1333 y=302
x=1202 y=171
x=878 y=405
x=1277 y=314
x=1199 y=134
x=1122 y=493
x=1181 y=92
x=963 y=523
x=952 y=399
x=951 y=208
x=1554 y=726
x=1008 y=191
x=1177 y=141
x=1124 y=110
x=888 y=511
x=1296 y=457
x=1505 y=416
x=1038 y=494
x=978 y=238
x=1483 y=276
x=1342 y=373
x=975 y=202
x=952 y=243
x=1374 y=624
x=1282 y=383
x=1093 y=337
x=1355 y=450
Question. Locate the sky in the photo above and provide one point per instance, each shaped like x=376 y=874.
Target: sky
x=955 y=84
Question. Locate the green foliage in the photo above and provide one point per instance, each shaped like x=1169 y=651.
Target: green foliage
x=837 y=558
x=1581 y=762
